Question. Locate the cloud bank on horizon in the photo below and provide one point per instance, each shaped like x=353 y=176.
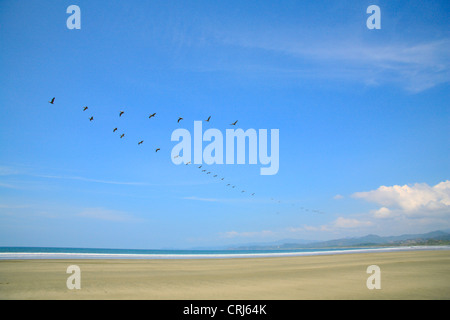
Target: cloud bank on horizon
x=416 y=205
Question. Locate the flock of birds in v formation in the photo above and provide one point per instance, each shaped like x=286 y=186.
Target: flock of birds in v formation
x=121 y=113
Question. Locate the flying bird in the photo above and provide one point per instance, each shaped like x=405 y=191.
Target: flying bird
x=157 y=150
x=52 y=101
x=208 y=172
x=200 y=167
x=222 y=178
x=253 y=194
x=152 y=115
x=85 y=108
x=121 y=113
x=123 y=135
x=234 y=123
x=207 y=120
x=91 y=118
x=228 y=185
x=176 y=156
x=203 y=170
x=215 y=175
x=243 y=191
x=140 y=142
x=179 y=119
x=115 y=129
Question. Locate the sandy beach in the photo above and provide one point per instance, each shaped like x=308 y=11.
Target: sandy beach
x=404 y=275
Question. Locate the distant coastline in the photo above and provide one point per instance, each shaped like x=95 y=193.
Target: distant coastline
x=433 y=238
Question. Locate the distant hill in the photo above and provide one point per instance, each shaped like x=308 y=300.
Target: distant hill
x=430 y=238
x=252 y=245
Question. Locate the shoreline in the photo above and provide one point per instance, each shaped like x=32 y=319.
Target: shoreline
x=195 y=256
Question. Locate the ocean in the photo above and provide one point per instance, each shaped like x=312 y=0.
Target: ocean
x=8 y=253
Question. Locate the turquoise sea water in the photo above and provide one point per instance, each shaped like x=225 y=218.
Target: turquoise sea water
x=145 y=251
x=92 y=253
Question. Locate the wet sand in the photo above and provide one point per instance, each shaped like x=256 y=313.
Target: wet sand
x=404 y=275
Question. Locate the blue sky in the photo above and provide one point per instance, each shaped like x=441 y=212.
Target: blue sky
x=363 y=117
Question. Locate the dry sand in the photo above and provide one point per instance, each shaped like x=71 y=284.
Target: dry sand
x=404 y=275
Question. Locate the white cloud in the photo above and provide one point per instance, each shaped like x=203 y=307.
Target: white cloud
x=6 y=171
x=8 y=186
x=335 y=226
x=402 y=209
x=91 y=180
x=248 y=234
x=348 y=223
x=418 y=200
x=14 y=206
x=383 y=212
x=301 y=229
x=415 y=67
x=338 y=197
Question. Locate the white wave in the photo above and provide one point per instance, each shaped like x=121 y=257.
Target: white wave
x=61 y=255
